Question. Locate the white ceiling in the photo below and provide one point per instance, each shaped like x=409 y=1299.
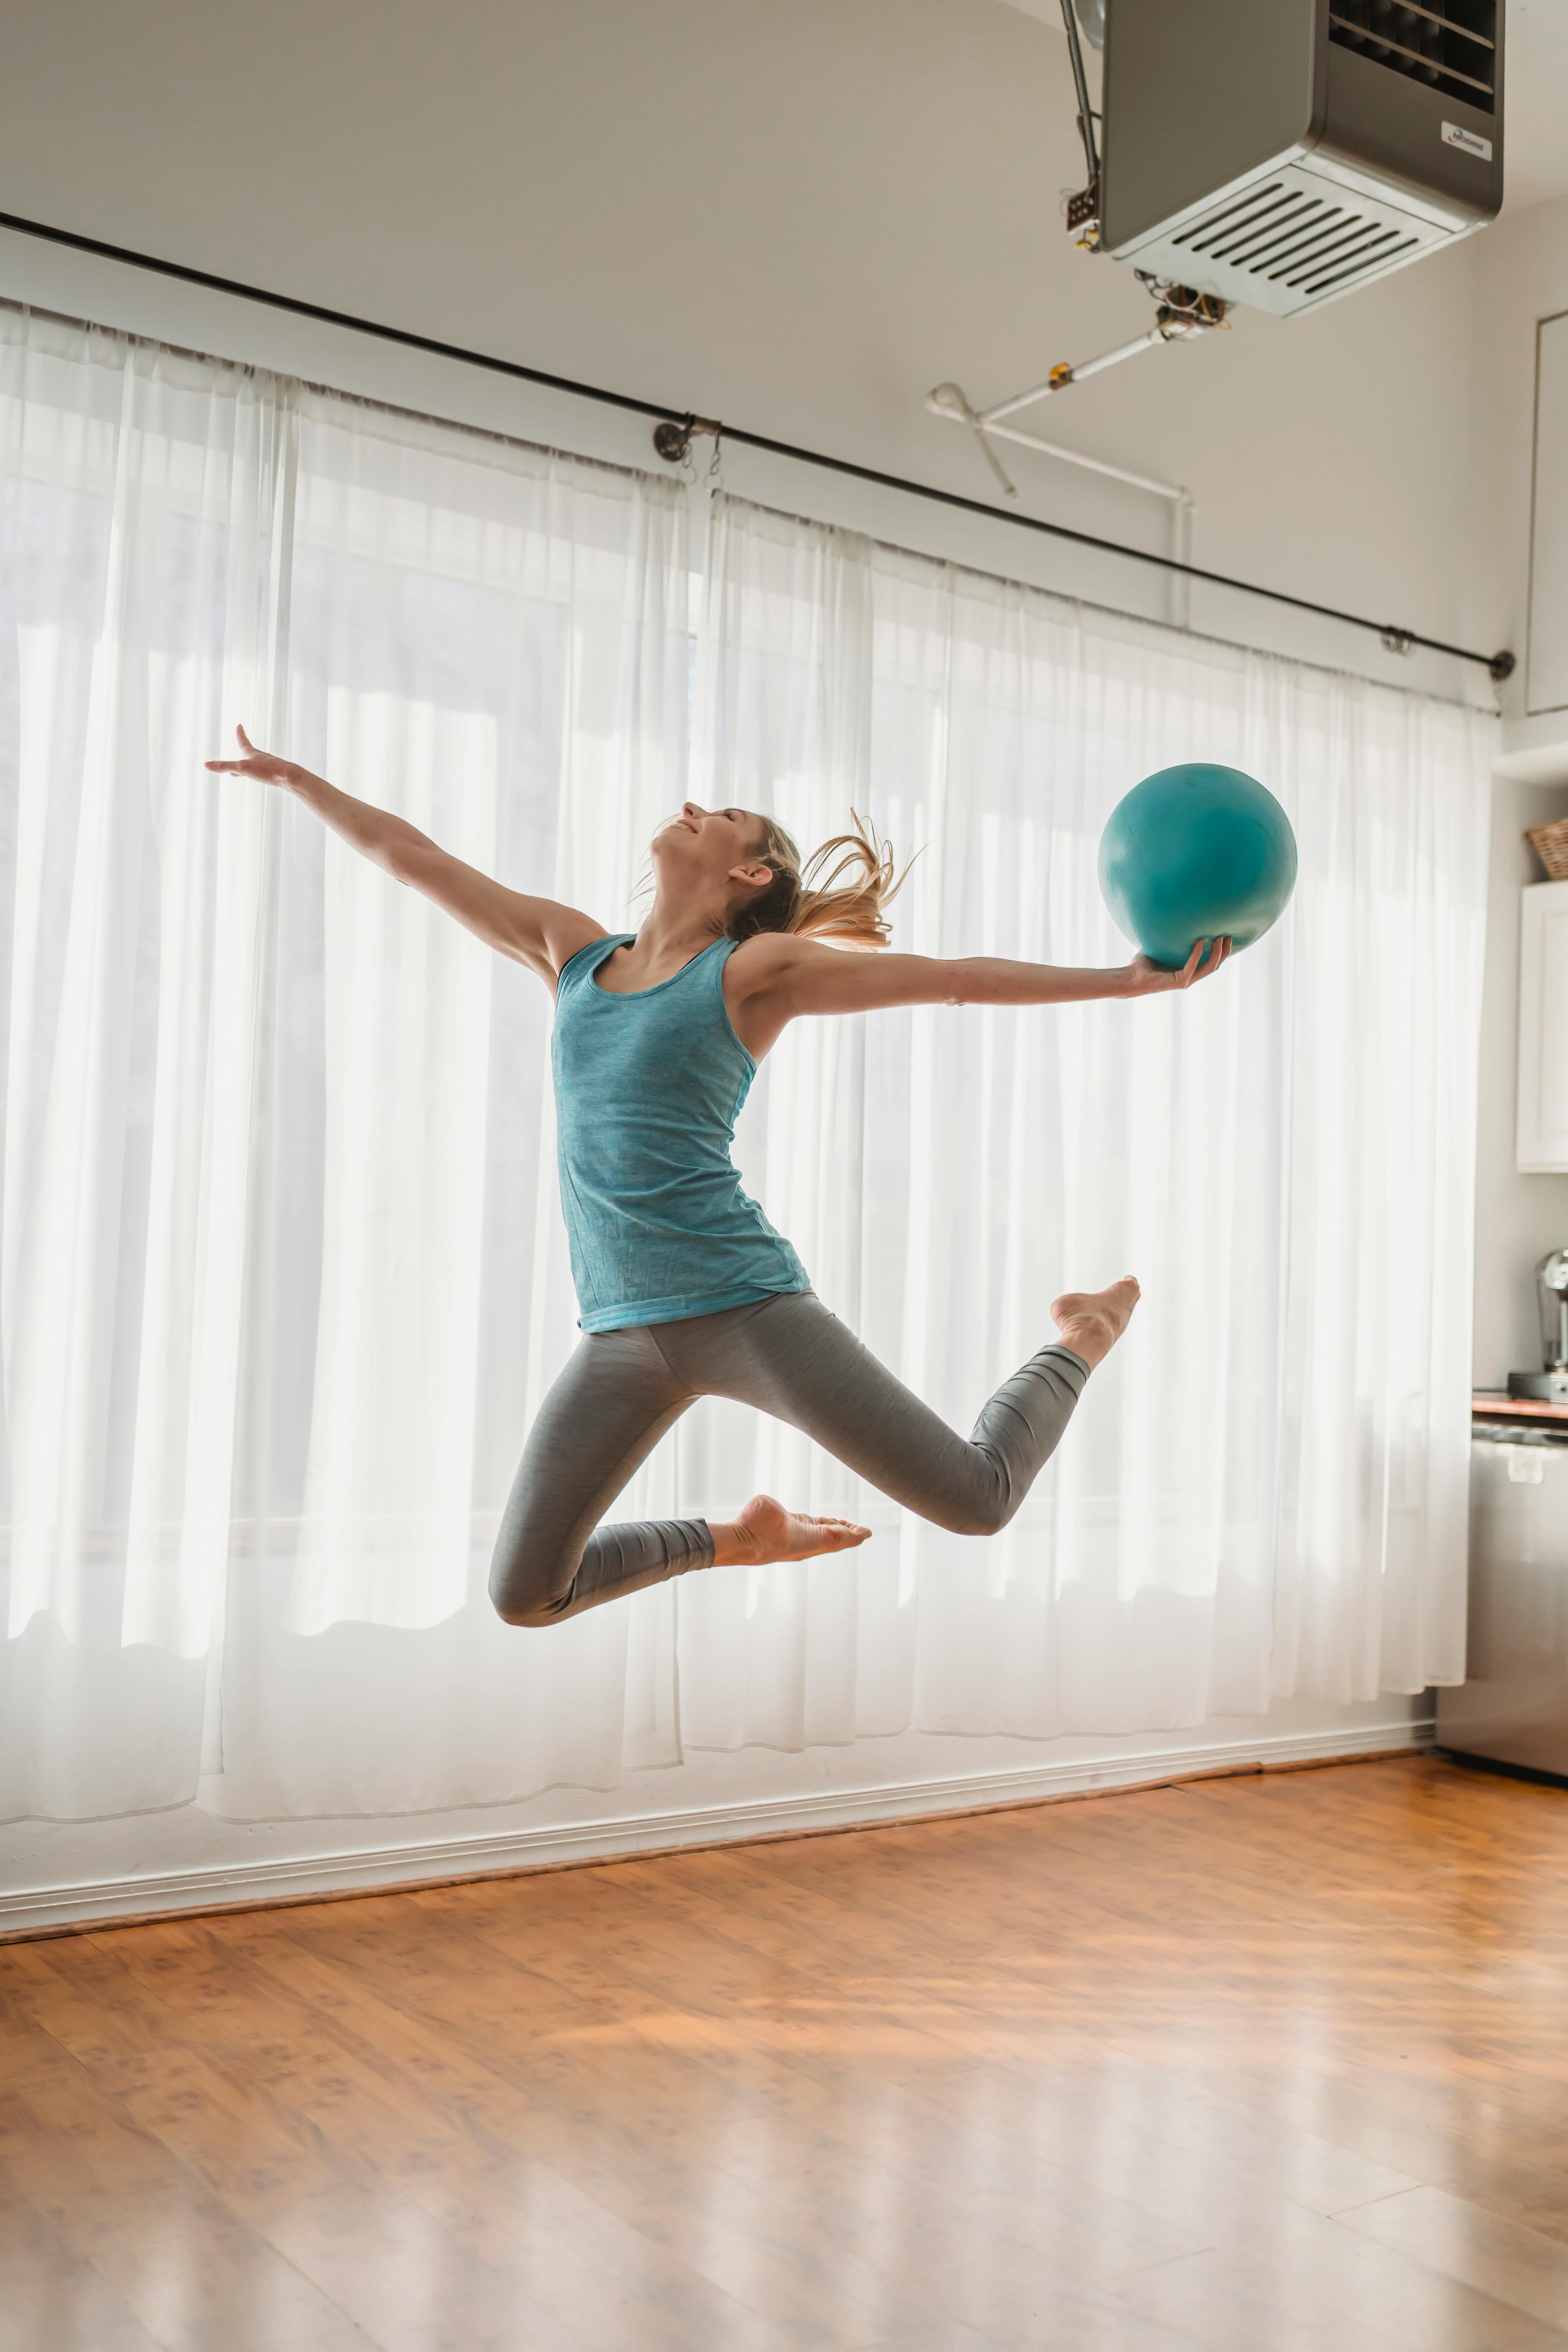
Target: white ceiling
x=1535 y=102
x=794 y=215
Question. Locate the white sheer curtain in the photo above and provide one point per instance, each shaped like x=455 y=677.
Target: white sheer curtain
x=1264 y=1492
x=282 y=1283
x=281 y=1278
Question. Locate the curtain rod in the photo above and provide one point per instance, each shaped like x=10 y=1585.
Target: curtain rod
x=672 y=442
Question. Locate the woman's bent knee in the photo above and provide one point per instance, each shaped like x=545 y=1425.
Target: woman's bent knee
x=512 y=1613
x=523 y=1595
x=984 y=1515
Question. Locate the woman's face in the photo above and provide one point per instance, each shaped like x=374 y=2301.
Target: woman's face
x=702 y=845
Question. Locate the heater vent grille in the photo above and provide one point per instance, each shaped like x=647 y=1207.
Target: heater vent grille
x=1285 y=236
x=1449 y=44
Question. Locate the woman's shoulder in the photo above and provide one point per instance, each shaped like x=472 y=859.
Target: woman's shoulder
x=769 y=957
x=757 y=964
x=586 y=960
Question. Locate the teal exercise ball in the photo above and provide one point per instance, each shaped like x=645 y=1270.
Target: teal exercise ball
x=1196 y=853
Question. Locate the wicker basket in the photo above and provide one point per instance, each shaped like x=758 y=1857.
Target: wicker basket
x=1550 y=842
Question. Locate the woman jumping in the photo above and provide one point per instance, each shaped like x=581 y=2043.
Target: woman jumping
x=685 y=1288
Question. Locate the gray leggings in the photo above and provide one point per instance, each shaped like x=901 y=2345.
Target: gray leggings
x=793 y=1358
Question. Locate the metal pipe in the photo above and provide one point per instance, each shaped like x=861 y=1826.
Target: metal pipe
x=1093 y=465
x=1500 y=665
x=944 y=402
x=1060 y=377
x=1053 y=383
x=950 y=400
x=1126 y=351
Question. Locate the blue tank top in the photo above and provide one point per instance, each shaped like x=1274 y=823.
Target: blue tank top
x=648 y=1090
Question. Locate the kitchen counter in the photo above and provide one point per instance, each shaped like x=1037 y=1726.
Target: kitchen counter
x=1495 y=1405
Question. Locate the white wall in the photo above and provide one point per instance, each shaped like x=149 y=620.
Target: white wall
x=51 y=1873
x=1522 y=276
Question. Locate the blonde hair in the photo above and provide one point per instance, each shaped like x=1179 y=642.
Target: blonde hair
x=838 y=894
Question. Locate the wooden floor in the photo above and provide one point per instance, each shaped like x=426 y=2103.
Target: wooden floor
x=1261 y=2063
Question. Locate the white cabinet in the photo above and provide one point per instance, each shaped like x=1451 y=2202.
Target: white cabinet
x=1543 y=1143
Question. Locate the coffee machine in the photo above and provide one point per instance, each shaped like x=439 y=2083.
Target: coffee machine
x=1551 y=1385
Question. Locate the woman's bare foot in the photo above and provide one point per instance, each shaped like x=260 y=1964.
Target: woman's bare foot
x=1092 y=1322
x=764 y=1532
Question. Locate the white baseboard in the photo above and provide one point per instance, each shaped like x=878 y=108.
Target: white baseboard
x=226 y=1886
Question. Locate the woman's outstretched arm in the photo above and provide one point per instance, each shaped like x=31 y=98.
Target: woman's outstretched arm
x=538 y=932
x=776 y=977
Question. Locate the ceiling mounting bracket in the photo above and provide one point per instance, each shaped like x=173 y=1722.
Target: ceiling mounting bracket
x=1083 y=210
x=1500 y=666
x=673 y=436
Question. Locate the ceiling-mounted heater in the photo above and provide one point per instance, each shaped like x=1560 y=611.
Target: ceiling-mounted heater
x=1281 y=152
x=1275 y=153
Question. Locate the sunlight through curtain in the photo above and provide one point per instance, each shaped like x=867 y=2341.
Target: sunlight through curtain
x=282 y=1277
x=1264 y=1492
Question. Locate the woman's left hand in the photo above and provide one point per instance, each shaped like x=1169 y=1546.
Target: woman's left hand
x=265 y=767
x=1148 y=979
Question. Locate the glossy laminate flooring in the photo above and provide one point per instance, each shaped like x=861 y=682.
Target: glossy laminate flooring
x=1256 y=2064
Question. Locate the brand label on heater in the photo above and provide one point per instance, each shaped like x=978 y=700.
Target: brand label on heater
x=1454 y=136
